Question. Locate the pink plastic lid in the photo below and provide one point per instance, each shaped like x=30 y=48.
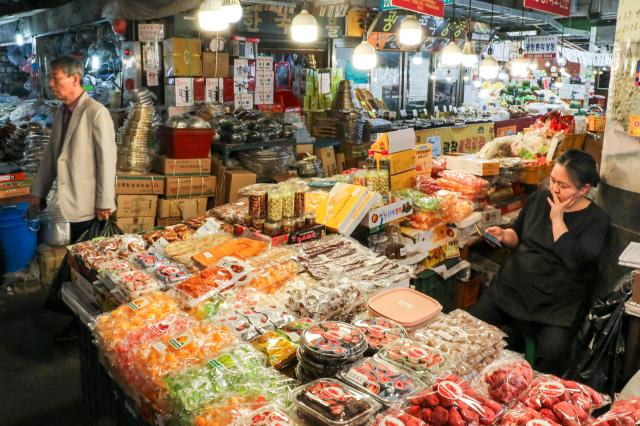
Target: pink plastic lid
x=408 y=307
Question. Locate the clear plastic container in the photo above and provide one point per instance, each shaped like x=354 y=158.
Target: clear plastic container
x=288 y=225
x=272 y=229
x=274 y=206
x=396 y=417
x=360 y=178
x=268 y=415
x=385 y=382
x=379 y=332
x=330 y=402
x=332 y=340
x=378 y=243
x=258 y=204
x=288 y=202
x=425 y=362
x=309 y=220
x=300 y=223
x=299 y=202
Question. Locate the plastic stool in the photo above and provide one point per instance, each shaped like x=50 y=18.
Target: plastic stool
x=530 y=350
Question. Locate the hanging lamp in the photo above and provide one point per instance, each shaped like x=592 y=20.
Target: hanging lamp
x=469 y=57
x=451 y=55
x=304 y=28
x=210 y=16
x=520 y=65
x=489 y=67
x=364 y=55
x=232 y=10
x=19 y=36
x=410 y=32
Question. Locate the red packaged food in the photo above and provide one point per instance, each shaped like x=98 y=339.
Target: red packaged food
x=452 y=401
x=505 y=379
x=524 y=416
x=396 y=417
x=563 y=401
x=624 y=412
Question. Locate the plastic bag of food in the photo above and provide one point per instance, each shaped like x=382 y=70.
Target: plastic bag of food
x=452 y=401
x=394 y=416
x=203 y=285
x=269 y=415
x=425 y=362
x=328 y=401
x=243 y=248
x=564 y=401
x=420 y=201
x=296 y=327
x=232 y=213
x=379 y=332
x=278 y=348
x=505 y=379
x=383 y=381
x=525 y=416
x=623 y=412
x=227 y=411
x=182 y=251
x=464 y=183
x=271 y=278
x=169 y=273
x=426 y=184
x=113 y=326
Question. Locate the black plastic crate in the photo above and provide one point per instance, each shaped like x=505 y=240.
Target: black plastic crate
x=431 y=284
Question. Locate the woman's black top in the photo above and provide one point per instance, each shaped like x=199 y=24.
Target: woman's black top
x=546 y=281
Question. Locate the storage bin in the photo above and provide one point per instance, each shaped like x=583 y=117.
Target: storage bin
x=431 y=284
x=186 y=143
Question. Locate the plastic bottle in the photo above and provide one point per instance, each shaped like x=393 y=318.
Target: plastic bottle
x=385 y=166
x=371 y=161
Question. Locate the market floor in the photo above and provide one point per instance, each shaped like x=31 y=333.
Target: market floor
x=39 y=379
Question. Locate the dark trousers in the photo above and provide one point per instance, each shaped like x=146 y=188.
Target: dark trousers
x=552 y=343
x=79 y=228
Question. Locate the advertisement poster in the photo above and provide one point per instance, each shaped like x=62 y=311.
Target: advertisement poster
x=264 y=80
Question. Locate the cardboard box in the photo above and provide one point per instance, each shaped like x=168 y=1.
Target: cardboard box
x=179 y=93
x=134 y=184
x=181 y=207
x=402 y=180
x=49 y=261
x=341 y=162
x=136 y=225
x=182 y=167
x=182 y=57
x=215 y=64
x=327 y=157
x=302 y=149
x=472 y=164
x=235 y=180
x=424 y=159
x=345 y=207
x=136 y=205
x=396 y=141
x=168 y=221
x=400 y=161
x=189 y=186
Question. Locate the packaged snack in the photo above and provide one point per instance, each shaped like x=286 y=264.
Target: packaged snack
x=452 y=401
x=417 y=358
x=464 y=183
x=295 y=328
x=225 y=412
x=623 y=412
x=396 y=417
x=243 y=248
x=241 y=325
x=525 y=416
x=268 y=415
x=113 y=326
x=386 y=383
x=271 y=278
x=147 y=260
x=505 y=379
x=133 y=283
x=170 y=273
x=203 y=285
x=564 y=401
x=330 y=402
x=182 y=251
x=278 y=348
x=379 y=332
x=331 y=340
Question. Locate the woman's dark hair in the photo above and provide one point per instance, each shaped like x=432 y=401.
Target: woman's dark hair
x=580 y=166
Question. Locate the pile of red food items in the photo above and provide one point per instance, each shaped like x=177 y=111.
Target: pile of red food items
x=524 y=416
x=452 y=401
x=426 y=184
x=564 y=401
x=624 y=412
x=396 y=417
x=507 y=381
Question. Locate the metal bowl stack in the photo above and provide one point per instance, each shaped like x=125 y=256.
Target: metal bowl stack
x=133 y=139
x=352 y=125
x=343 y=100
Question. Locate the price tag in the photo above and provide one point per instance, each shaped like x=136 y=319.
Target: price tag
x=415 y=113
x=634 y=125
x=426 y=113
x=403 y=114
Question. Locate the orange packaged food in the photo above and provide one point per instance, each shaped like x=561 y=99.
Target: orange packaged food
x=243 y=248
x=171 y=352
x=224 y=413
x=112 y=327
x=273 y=277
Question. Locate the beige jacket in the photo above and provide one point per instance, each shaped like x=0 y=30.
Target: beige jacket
x=86 y=167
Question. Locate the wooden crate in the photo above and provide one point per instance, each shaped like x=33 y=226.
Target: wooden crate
x=536 y=174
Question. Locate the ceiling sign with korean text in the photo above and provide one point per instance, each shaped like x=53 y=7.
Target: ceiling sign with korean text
x=540 y=46
x=558 y=7
x=426 y=7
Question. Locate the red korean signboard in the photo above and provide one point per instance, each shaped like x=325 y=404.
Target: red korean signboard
x=426 y=7
x=559 y=7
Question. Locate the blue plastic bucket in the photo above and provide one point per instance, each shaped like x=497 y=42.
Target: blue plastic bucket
x=18 y=237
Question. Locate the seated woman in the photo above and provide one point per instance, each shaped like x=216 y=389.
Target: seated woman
x=543 y=288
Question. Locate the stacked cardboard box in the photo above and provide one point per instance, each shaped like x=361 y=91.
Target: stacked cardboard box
x=137 y=198
x=187 y=186
x=13 y=181
x=400 y=148
x=229 y=181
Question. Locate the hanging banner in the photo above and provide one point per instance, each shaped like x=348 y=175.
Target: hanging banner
x=389 y=22
x=558 y=7
x=540 y=46
x=426 y=7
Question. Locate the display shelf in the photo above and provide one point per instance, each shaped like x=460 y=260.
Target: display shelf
x=227 y=148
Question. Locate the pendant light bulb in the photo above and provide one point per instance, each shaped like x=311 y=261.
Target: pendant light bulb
x=210 y=16
x=448 y=77
x=451 y=55
x=19 y=39
x=433 y=76
x=364 y=56
x=410 y=32
x=416 y=59
x=533 y=65
x=469 y=57
x=547 y=64
x=304 y=28
x=489 y=67
x=232 y=10
x=520 y=66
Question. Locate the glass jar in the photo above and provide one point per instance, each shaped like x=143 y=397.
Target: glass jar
x=288 y=225
x=378 y=243
x=258 y=204
x=299 y=202
x=288 y=202
x=247 y=219
x=258 y=225
x=395 y=247
x=272 y=229
x=274 y=206
x=360 y=178
x=309 y=220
